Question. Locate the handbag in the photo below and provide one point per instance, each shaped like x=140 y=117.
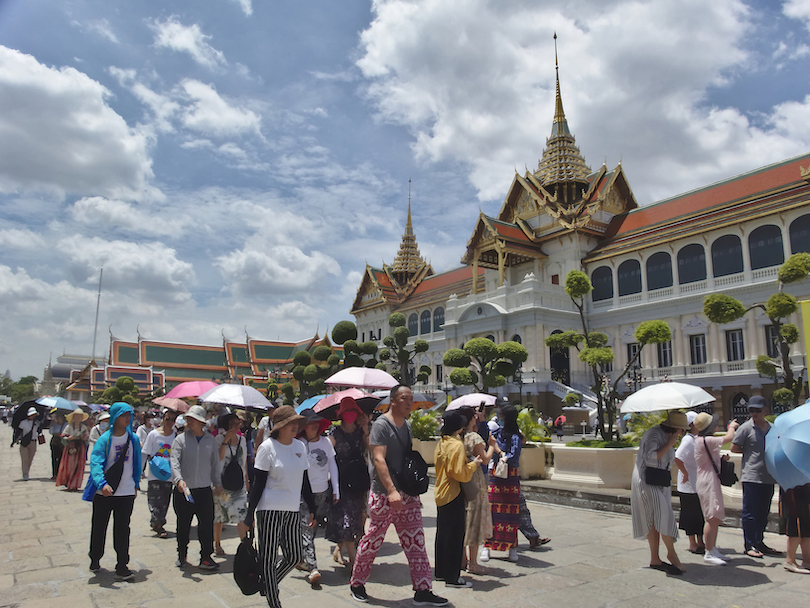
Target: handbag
x=412 y=477
x=233 y=478
x=40 y=439
x=247 y=569
x=470 y=489
x=501 y=469
x=727 y=475
x=654 y=476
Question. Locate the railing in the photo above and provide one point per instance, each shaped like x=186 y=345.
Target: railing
x=735 y=366
x=636 y=297
x=655 y=294
x=731 y=279
x=663 y=371
x=696 y=286
x=695 y=370
x=765 y=273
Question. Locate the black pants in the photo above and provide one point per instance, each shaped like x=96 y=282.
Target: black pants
x=450 y=525
x=203 y=508
x=121 y=509
x=56 y=453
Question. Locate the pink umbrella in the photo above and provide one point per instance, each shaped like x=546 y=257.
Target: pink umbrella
x=366 y=401
x=365 y=377
x=191 y=389
x=178 y=405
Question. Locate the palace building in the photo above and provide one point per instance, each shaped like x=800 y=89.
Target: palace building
x=651 y=261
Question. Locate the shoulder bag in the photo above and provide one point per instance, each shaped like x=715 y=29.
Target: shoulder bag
x=726 y=473
x=412 y=475
x=113 y=474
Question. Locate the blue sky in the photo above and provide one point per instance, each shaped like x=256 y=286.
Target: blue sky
x=235 y=163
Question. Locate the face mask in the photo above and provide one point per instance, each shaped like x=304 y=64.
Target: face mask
x=104 y=425
x=349 y=417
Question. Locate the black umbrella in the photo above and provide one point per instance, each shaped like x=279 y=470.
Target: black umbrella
x=21 y=413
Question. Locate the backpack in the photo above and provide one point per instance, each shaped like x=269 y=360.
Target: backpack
x=354 y=476
x=233 y=478
x=247 y=569
x=412 y=475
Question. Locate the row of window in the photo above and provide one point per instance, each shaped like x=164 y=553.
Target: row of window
x=420 y=325
x=764 y=247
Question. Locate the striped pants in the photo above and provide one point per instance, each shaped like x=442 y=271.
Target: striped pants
x=408 y=523
x=278 y=529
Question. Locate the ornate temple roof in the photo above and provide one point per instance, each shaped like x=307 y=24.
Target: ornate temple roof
x=408 y=261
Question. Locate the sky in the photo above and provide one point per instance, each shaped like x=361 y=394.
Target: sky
x=233 y=165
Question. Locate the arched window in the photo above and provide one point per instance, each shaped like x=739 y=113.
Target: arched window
x=491 y=338
x=691 y=264
x=424 y=322
x=800 y=234
x=413 y=324
x=602 y=281
x=629 y=277
x=659 y=271
x=438 y=319
x=516 y=338
x=765 y=247
x=727 y=255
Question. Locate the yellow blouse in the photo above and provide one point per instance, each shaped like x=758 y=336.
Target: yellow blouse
x=452 y=467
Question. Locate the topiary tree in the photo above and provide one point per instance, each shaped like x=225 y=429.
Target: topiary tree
x=596 y=354
x=397 y=352
x=355 y=354
x=311 y=370
x=722 y=308
x=124 y=390
x=484 y=364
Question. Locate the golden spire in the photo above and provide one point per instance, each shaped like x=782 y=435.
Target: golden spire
x=562 y=160
x=408 y=260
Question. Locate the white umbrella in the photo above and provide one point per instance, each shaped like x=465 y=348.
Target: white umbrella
x=471 y=400
x=236 y=395
x=365 y=377
x=666 y=396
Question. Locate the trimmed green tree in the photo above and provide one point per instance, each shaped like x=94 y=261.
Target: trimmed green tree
x=721 y=309
x=596 y=354
x=396 y=351
x=483 y=364
x=355 y=354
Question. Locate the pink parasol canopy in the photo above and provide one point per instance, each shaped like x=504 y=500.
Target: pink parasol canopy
x=362 y=377
x=178 y=405
x=191 y=389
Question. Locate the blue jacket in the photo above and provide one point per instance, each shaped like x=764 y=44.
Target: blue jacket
x=98 y=459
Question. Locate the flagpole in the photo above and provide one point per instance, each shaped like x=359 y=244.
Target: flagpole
x=98 y=305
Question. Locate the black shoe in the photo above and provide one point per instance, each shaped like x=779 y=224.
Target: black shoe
x=426 y=597
x=459 y=584
x=94 y=565
x=208 y=564
x=359 y=593
x=124 y=574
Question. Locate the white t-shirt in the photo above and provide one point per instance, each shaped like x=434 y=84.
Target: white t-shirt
x=239 y=450
x=159 y=445
x=686 y=454
x=285 y=466
x=127 y=485
x=321 y=455
x=142 y=432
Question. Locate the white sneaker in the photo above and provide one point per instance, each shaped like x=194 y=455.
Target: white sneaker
x=484 y=555
x=712 y=559
x=513 y=556
x=717 y=554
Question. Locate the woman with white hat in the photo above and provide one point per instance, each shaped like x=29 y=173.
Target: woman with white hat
x=74 y=437
x=27 y=434
x=651 y=491
x=102 y=424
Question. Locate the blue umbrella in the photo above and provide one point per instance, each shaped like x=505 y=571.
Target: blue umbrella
x=60 y=403
x=787 y=448
x=308 y=403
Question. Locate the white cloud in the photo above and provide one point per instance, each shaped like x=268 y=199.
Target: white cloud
x=163 y=107
x=59 y=134
x=22 y=239
x=119 y=215
x=172 y=34
x=798 y=9
x=246 y=5
x=103 y=28
x=210 y=113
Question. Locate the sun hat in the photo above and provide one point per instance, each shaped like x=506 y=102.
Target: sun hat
x=32 y=411
x=706 y=423
x=757 y=402
x=104 y=416
x=310 y=417
x=78 y=411
x=348 y=404
x=690 y=417
x=285 y=415
x=676 y=420
x=197 y=412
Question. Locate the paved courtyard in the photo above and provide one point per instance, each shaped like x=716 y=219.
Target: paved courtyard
x=592 y=561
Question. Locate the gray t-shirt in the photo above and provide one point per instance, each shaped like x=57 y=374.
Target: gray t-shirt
x=384 y=432
x=751 y=439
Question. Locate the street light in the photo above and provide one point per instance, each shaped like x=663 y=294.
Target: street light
x=634 y=378
x=518 y=376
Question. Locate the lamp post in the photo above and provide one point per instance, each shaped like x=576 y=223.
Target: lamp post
x=634 y=378
x=518 y=376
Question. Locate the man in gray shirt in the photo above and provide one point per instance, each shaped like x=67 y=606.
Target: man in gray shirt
x=758 y=485
x=195 y=469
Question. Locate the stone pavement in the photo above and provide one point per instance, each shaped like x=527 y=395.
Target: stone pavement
x=592 y=561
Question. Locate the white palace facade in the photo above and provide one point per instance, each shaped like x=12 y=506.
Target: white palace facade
x=656 y=261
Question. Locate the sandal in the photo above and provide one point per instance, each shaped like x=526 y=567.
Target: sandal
x=219 y=551
x=754 y=553
x=476 y=569
x=337 y=555
x=162 y=533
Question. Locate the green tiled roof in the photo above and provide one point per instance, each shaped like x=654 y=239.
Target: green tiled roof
x=128 y=354
x=184 y=355
x=273 y=351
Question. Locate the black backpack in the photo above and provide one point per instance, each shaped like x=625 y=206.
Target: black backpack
x=247 y=569
x=412 y=474
x=233 y=478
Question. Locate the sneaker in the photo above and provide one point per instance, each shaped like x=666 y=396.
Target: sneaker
x=314 y=577
x=484 y=555
x=426 y=597
x=712 y=559
x=180 y=563
x=513 y=556
x=124 y=574
x=459 y=584
x=717 y=554
x=359 y=593
x=208 y=564
x=25 y=477
x=95 y=566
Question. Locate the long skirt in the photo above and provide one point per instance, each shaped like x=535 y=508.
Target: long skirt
x=71 y=468
x=504 y=500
